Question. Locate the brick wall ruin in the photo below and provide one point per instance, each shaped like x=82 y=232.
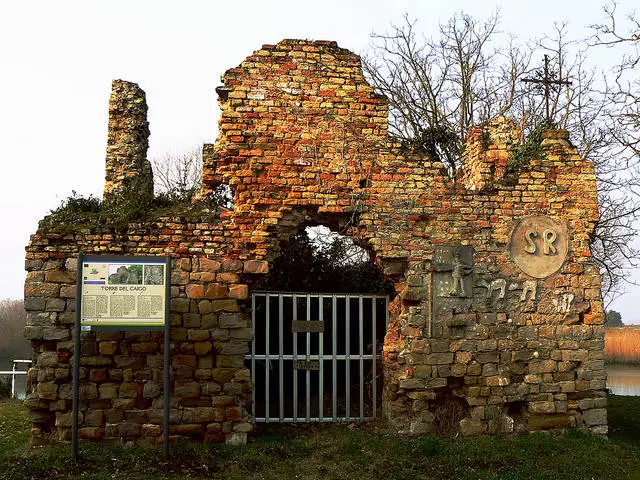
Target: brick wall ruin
x=498 y=309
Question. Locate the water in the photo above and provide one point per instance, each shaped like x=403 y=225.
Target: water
x=624 y=380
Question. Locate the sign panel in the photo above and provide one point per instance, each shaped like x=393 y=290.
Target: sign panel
x=307 y=365
x=312 y=326
x=123 y=292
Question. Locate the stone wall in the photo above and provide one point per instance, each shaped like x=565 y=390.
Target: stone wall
x=127 y=169
x=498 y=309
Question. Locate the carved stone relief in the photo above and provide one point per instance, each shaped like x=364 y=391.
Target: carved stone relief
x=563 y=302
x=453 y=267
x=539 y=246
x=452 y=284
x=499 y=285
x=529 y=287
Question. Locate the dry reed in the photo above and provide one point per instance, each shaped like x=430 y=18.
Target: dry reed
x=622 y=345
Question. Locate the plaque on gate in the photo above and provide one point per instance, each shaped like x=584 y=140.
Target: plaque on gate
x=304 y=326
x=306 y=365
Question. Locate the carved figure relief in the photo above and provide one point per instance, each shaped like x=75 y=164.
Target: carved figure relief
x=458 y=271
x=499 y=285
x=456 y=263
x=529 y=286
x=563 y=303
x=539 y=246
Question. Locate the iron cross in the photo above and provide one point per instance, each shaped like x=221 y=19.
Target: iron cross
x=547 y=80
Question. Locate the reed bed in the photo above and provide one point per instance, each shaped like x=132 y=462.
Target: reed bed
x=622 y=345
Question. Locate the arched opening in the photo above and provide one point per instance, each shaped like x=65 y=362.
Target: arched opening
x=318 y=259
x=320 y=319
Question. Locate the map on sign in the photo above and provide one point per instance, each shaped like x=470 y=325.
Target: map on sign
x=123 y=292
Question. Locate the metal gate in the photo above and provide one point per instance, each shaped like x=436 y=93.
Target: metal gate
x=316 y=357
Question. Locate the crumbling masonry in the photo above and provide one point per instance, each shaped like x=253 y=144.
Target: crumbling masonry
x=498 y=306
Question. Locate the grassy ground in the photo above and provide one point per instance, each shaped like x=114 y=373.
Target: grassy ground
x=339 y=452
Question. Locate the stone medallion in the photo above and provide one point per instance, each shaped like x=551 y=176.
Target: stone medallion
x=539 y=245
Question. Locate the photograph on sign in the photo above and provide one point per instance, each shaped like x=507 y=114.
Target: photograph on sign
x=123 y=293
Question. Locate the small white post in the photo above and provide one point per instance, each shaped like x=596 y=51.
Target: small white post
x=13 y=380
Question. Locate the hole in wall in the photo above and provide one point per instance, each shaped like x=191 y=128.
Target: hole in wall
x=449 y=407
x=318 y=259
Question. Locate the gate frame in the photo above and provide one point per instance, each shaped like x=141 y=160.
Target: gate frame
x=320 y=356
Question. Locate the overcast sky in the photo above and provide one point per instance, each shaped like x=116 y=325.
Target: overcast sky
x=57 y=60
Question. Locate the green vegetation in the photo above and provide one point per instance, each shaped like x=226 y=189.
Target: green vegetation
x=339 y=452
x=613 y=319
x=329 y=263
x=77 y=213
x=521 y=155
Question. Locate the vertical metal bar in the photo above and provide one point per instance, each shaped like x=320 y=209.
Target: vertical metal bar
x=334 y=357
x=321 y=359
x=76 y=359
x=294 y=298
x=347 y=356
x=267 y=357
x=253 y=356
x=308 y=372
x=361 y=354
x=280 y=359
x=167 y=358
x=374 y=390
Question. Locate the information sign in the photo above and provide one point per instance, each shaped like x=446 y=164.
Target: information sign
x=123 y=292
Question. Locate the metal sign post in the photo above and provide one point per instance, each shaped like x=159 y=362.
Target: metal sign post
x=122 y=293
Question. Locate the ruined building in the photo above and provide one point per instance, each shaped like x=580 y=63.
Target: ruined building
x=497 y=324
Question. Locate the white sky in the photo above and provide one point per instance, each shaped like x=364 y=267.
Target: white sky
x=57 y=60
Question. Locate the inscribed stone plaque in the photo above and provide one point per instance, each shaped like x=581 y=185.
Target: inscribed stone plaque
x=539 y=245
x=452 y=284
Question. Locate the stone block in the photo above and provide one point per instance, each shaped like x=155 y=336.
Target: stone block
x=209 y=265
x=230 y=305
x=129 y=430
x=548 y=422
x=91 y=433
x=595 y=416
x=130 y=390
x=215 y=291
x=469 y=428
x=542 y=407
x=187 y=390
x=232 y=320
x=256 y=266
x=55 y=305
x=151 y=430
x=239 y=292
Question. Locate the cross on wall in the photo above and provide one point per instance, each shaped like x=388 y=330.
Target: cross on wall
x=547 y=79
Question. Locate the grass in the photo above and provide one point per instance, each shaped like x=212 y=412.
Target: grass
x=339 y=452
x=622 y=345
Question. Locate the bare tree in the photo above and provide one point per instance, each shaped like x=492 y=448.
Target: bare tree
x=620 y=179
x=179 y=173
x=440 y=88
x=177 y=178
x=13 y=318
